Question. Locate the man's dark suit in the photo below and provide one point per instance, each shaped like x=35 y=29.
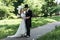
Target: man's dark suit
x=28 y=21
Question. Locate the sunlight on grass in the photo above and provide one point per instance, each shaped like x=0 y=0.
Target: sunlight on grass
x=50 y=20
x=57 y=18
x=41 y=21
x=10 y=22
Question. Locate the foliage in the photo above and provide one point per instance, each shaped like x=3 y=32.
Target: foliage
x=39 y=7
x=3 y=12
x=6 y=10
x=16 y=4
x=48 y=7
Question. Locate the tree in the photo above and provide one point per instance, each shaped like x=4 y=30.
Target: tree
x=6 y=9
x=16 y=4
x=47 y=7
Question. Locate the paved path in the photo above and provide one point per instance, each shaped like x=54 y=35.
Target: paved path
x=39 y=31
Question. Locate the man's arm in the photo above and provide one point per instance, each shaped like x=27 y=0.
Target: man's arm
x=29 y=15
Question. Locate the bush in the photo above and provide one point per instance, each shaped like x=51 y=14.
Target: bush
x=48 y=8
x=12 y=16
x=6 y=13
x=3 y=12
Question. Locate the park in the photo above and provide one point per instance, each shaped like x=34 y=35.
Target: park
x=45 y=19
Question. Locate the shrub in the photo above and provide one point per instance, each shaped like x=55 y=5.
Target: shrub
x=3 y=12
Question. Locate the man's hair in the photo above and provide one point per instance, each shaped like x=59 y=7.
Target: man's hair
x=26 y=6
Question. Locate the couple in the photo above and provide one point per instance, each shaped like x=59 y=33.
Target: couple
x=24 y=27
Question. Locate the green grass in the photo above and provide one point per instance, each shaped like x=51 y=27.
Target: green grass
x=9 y=27
x=57 y=18
x=39 y=21
x=53 y=35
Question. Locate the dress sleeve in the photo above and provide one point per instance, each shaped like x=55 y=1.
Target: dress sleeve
x=23 y=16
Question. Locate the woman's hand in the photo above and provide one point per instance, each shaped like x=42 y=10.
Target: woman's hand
x=27 y=17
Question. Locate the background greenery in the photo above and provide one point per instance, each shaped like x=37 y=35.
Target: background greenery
x=44 y=11
x=8 y=8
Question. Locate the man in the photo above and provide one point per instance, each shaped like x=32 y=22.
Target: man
x=28 y=20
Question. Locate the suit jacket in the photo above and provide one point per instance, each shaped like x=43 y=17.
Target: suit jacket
x=28 y=21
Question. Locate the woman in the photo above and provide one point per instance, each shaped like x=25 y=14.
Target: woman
x=22 y=29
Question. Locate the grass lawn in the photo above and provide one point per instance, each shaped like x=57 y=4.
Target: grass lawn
x=54 y=35
x=57 y=18
x=9 y=27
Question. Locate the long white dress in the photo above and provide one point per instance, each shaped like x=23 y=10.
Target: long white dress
x=22 y=29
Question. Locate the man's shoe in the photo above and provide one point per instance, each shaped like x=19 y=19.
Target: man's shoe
x=27 y=36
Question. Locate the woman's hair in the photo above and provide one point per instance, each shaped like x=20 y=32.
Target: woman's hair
x=19 y=9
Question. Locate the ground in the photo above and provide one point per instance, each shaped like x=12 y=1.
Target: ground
x=39 y=31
